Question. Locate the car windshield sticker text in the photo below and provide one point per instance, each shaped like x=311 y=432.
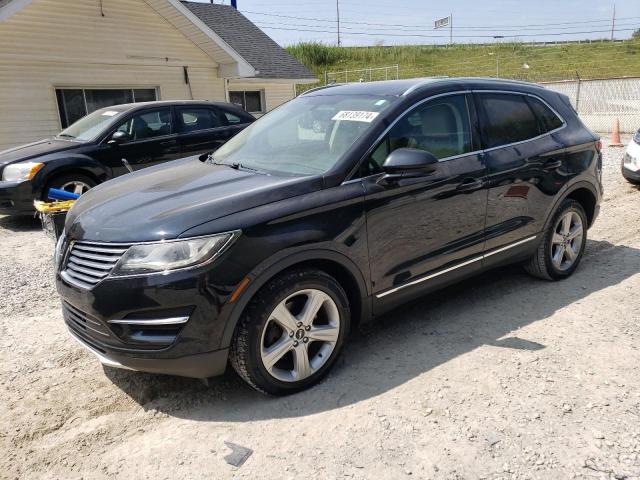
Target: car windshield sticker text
x=356 y=116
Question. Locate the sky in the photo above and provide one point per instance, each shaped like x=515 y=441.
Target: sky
x=393 y=22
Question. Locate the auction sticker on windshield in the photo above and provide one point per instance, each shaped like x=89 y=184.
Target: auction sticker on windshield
x=356 y=116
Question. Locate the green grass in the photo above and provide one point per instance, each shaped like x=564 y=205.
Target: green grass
x=547 y=63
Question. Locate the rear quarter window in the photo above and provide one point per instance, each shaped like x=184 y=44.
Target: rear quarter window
x=548 y=119
x=508 y=119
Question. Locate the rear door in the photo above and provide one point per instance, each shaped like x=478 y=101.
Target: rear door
x=524 y=167
x=202 y=129
x=426 y=230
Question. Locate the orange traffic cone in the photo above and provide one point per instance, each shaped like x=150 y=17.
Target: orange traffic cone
x=615 y=135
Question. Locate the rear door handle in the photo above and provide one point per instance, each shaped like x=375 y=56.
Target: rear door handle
x=166 y=143
x=470 y=185
x=552 y=164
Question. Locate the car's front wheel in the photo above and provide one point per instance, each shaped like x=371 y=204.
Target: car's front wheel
x=72 y=182
x=292 y=332
x=563 y=243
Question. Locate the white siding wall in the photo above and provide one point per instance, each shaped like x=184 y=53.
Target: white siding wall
x=68 y=43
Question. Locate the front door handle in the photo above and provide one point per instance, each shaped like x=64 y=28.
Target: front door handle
x=552 y=164
x=167 y=143
x=470 y=185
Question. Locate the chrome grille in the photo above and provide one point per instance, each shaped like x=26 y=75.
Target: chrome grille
x=89 y=263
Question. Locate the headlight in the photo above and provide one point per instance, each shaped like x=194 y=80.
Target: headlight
x=172 y=255
x=21 y=171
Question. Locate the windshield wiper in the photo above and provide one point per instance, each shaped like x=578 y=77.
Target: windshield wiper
x=237 y=166
x=65 y=135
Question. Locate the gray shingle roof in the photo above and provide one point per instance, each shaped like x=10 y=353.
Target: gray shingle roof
x=251 y=43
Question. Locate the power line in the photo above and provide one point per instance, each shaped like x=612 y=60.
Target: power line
x=382 y=30
x=472 y=27
x=417 y=35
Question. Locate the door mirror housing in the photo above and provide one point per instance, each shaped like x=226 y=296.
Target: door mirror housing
x=118 y=138
x=410 y=162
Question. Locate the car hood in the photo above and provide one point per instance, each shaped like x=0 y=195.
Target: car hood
x=162 y=202
x=35 y=149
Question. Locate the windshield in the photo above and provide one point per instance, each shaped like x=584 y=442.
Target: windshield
x=306 y=136
x=92 y=125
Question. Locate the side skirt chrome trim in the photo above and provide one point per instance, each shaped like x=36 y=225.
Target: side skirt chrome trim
x=454 y=267
x=152 y=321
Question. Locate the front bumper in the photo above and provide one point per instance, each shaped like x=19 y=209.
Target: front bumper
x=631 y=162
x=171 y=324
x=16 y=198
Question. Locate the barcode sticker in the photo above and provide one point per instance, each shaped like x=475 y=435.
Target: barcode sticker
x=356 y=116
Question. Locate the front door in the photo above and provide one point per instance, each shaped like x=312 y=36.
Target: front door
x=424 y=231
x=151 y=140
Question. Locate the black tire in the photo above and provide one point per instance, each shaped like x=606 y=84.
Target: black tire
x=245 y=349
x=540 y=265
x=65 y=178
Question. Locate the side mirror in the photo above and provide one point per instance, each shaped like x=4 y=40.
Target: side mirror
x=410 y=162
x=118 y=138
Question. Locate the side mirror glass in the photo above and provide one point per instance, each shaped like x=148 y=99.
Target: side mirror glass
x=118 y=138
x=410 y=162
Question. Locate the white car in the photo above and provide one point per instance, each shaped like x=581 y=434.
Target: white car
x=631 y=160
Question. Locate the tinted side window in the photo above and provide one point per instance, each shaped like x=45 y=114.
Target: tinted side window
x=194 y=119
x=440 y=126
x=548 y=120
x=147 y=125
x=232 y=118
x=509 y=119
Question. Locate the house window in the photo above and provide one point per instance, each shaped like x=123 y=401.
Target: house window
x=75 y=103
x=251 y=101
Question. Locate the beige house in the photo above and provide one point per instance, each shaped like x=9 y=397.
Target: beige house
x=62 y=59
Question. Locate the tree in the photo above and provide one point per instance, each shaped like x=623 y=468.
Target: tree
x=636 y=35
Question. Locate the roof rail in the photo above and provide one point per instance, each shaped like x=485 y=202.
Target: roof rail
x=423 y=81
x=323 y=87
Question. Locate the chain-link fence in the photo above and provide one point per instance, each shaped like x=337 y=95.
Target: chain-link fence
x=363 y=75
x=600 y=102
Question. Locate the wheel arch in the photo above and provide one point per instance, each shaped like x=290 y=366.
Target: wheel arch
x=584 y=193
x=78 y=164
x=340 y=267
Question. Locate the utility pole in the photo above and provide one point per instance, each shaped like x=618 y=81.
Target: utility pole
x=613 y=21
x=338 y=17
x=450 y=29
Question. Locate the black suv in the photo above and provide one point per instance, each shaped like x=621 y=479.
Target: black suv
x=112 y=141
x=328 y=211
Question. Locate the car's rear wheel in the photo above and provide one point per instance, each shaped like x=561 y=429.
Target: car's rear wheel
x=291 y=333
x=562 y=247
x=71 y=182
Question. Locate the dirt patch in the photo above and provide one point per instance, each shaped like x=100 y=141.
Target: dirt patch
x=502 y=376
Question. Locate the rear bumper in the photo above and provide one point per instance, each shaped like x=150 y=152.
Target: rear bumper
x=16 y=198
x=202 y=365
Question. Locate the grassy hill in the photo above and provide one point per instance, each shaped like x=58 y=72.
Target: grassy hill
x=520 y=61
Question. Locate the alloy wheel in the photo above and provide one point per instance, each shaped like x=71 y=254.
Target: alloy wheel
x=300 y=335
x=567 y=239
x=76 y=186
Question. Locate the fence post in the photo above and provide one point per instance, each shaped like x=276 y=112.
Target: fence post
x=326 y=77
x=578 y=92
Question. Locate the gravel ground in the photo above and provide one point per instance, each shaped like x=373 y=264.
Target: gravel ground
x=502 y=376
